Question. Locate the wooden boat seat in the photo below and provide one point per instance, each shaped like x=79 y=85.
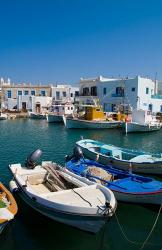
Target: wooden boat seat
x=36 y=179
x=40 y=188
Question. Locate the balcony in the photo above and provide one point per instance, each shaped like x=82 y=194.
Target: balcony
x=86 y=100
x=156 y=96
x=118 y=95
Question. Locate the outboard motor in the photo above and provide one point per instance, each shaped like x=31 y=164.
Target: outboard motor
x=77 y=154
x=33 y=158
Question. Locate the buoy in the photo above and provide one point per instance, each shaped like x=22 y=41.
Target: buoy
x=13 y=186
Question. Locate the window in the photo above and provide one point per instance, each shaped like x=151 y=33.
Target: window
x=71 y=94
x=43 y=93
x=9 y=93
x=26 y=92
x=133 y=89
x=104 y=91
x=147 y=91
x=86 y=91
x=71 y=108
x=19 y=92
x=32 y=92
x=64 y=94
x=76 y=93
x=57 y=95
x=161 y=108
x=150 y=107
x=94 y=91
x=120 y=91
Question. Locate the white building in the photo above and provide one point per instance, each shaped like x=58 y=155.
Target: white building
x=34 y=103
x=64 y=93
x=130 y=93
x=27 y=96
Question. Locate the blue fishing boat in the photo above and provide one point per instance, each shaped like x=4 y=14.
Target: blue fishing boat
x=121 y=158
x=126 y=186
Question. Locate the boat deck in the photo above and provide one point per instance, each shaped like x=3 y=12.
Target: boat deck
x=78 y=196
x=40 y=189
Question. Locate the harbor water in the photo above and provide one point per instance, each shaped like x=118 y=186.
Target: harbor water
x=128 y=229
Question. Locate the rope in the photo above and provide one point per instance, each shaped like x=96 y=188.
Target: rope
x=82 y=197
x=145 y=242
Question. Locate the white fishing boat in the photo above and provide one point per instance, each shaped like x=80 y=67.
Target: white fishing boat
x=94 y=118
x=40 y=116
x=59 y=195
x=57 y=111
x=121 y=158
x=3 y=116
x=142 y=121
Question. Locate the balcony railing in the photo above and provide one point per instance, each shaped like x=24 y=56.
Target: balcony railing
x=87 y=94
x=156 y=96
x=117 y=95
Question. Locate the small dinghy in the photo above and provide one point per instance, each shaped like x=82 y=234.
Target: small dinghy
x=59 y=195
x=121 y=158
x=126 y=186
x=8 y=207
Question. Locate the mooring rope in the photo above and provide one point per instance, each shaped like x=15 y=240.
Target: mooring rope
x=145 y=242
x=81 y=197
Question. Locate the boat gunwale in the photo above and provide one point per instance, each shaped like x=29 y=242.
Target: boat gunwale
x=80 y=143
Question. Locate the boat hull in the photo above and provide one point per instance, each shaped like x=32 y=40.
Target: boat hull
x=87 y=223
x=54 y=118
x=2 y=226
x=125 y=186
x=143 y=198
x=144 y=168
x=37 y=116
x=3 y=118
x=136 y=127
x=83 y=124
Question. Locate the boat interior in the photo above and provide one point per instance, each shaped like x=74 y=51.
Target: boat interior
x=8 y=206
x=113 y=152
x=4 y=199
x=62 y=188
x=46 y=182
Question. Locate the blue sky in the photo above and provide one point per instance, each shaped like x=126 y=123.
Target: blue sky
x=63 y=40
